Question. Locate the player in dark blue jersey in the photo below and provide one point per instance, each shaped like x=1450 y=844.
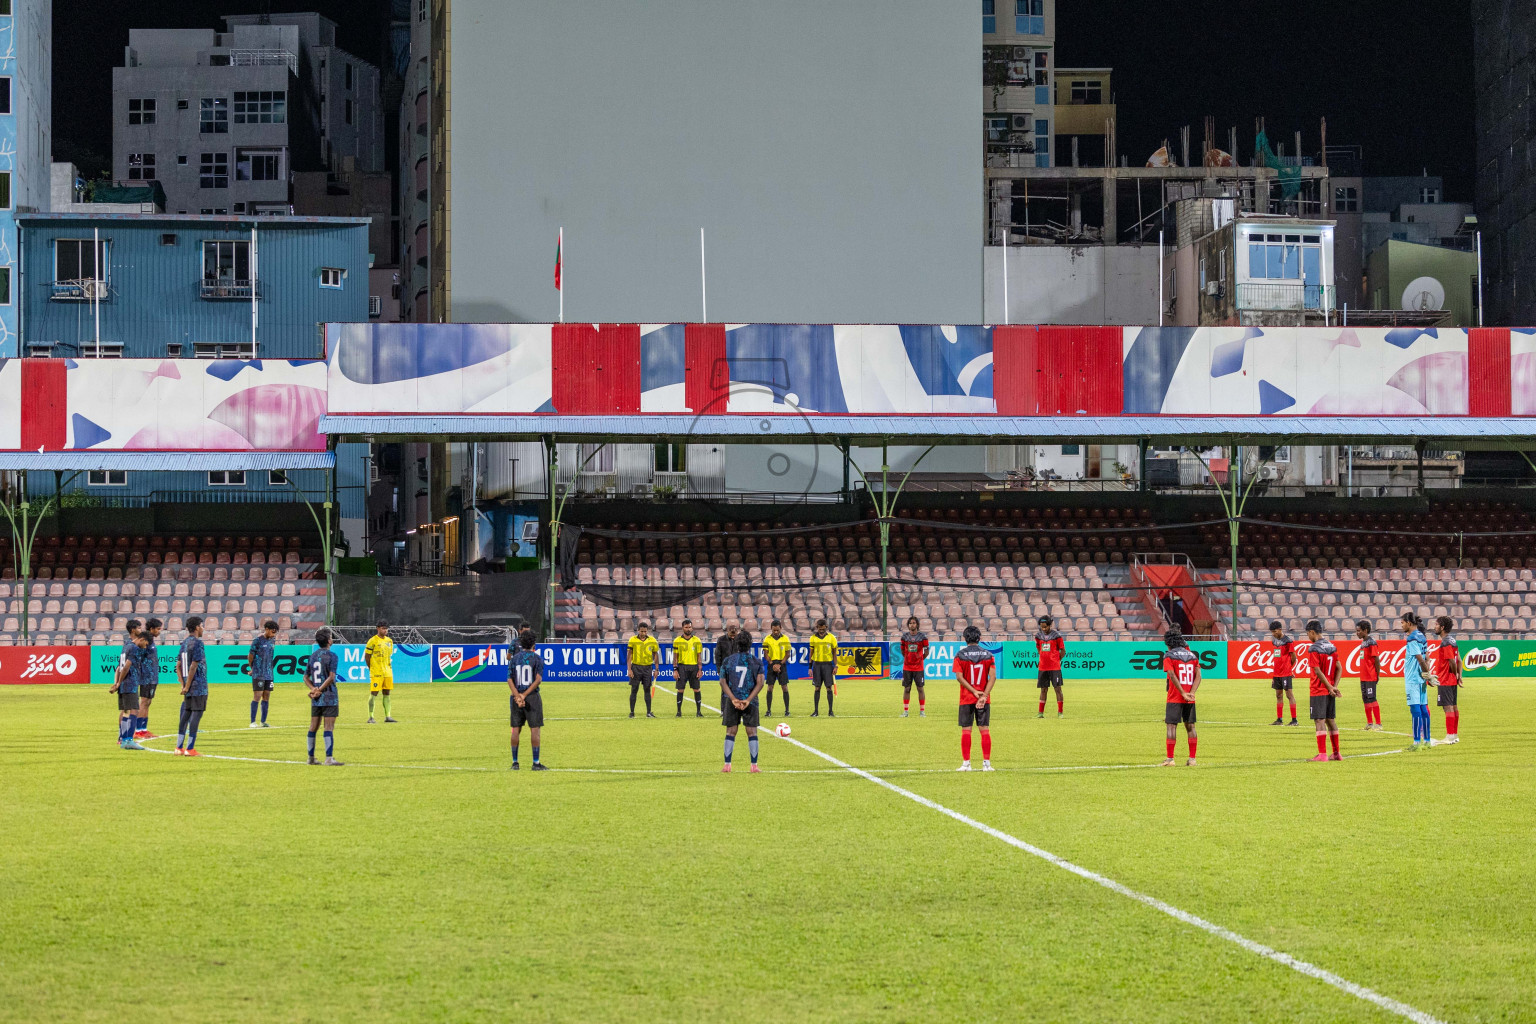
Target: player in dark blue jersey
x=324 y=702
x=192 y=673
x=741 y=678
x=148 y=685
x=524 y=674
x=259 y=660
x=125 y=685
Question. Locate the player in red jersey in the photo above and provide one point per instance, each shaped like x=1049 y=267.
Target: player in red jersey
x=1324 y=660
x=914 y=653
x=1281 y=670
x=1050 y=646
x=1448 y=678
x=1182 y=667
x=1370 y=675
x=977 y=672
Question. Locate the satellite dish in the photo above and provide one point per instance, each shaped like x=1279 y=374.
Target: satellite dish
x=1424 y=293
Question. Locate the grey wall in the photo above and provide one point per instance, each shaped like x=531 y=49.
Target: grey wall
x=1068 y=284
x=831 y=150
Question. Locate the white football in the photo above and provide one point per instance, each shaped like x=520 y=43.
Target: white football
x=782 y=729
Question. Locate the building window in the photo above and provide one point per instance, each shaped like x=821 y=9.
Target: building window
x=107 y=478
x=5 y=286
x=277 y=478
x=331 y=277
x=213 y=211
x=213 y=170
x=168 y=238
x=594 y=458
x=421 y=10
x=1087 y=92
x=213 y=117
x=141 y=111
x=671 y=458
x=258 y=165
x=1429 y=194
x=226 y=269
x=5 y=8
x=347 y=74
x=77 y=259
x=173 y=350
x=347 y=111
x=5 y=95
x=141 y=167
x=988 y=16
x=1283 y=257
x=261 y=107
x=1071 y=449
x=210 y=350
x=1346 y=199
x=226 y=478
x=5 y=190
x=1029 y=17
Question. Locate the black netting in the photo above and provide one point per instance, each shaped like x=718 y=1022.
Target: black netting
x=507 y=600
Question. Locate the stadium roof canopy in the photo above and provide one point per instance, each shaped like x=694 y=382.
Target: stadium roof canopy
x=88 y=459
x=779 y=428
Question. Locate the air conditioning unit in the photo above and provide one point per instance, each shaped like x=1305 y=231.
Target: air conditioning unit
x=1022 y=123
x=375 y=305
x=93 y=289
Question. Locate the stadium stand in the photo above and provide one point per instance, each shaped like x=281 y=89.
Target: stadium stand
x=86 y=588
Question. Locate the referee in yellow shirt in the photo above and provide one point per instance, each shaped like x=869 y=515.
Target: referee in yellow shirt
x=778 y=649
x=687 y=656
x=823 y=667
x=643 y=652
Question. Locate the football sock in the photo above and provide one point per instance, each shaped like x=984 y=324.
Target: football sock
x=181 y=727
x=192 y=722
x=730 y=748
x=514 y=751
x=986 y=744
x=1192 y=743
x=370 y=705
x=680 y=701
x=752 y=748
x=386 y=705
x=1322 y=743
x=906 y=701
x=1060 y=706
x=264 y=706
x=142 y=722
x=1452 y=721
x=770 y=700
x=311 y=738
x=1171 y=742
x=965 y=745
x=1293 y=709
x=1279 y=708
x=698 y=701
x=124 y=729
x=634 y=688
x=922 y=700
x=829 y=700
x=330 y=743
x=535 y=755
x=1334 y=738
x=647 y=699
x=1042 y=705
x=253 y=709
x=816 y=700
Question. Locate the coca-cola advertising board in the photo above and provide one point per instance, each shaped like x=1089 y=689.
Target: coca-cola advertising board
x=45 y=664
x=1254 y=659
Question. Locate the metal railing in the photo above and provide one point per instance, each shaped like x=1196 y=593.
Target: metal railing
x=1284 y=295
x=227 y=288
x=80 y=290
x=265 y=58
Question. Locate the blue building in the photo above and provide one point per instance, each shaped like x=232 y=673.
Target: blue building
x=26 y=138
x=176 y=286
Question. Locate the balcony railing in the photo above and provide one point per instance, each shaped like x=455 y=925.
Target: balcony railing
x=227 y=288
x=1284 y=295
x=265 y=58
x=80 y=290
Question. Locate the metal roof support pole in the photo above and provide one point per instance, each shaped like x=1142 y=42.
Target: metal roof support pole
x=551 y=463
x=885 y=506
x=322 y=521
x=1234 y=505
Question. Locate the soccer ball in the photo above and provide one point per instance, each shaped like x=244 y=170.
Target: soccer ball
x=781 y=730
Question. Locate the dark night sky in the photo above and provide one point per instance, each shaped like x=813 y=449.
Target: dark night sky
x=1396 y=82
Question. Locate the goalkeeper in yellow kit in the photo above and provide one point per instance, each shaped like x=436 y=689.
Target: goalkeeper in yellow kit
x=379 y=652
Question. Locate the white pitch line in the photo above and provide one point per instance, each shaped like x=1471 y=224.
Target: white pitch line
x=1294 y=963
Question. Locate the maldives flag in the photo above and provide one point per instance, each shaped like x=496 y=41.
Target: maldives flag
x=558 y=240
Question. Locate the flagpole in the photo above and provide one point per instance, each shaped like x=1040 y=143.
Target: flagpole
x=560 y=258
x=703 y=282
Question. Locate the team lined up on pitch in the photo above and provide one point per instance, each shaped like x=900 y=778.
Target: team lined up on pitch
x=745 y=676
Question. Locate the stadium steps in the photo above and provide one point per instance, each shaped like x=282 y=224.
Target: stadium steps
x=1136 y=616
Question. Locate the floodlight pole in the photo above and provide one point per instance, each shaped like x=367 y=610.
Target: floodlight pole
x=1234 y=505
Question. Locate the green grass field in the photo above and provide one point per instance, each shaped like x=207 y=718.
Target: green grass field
x=425 y=882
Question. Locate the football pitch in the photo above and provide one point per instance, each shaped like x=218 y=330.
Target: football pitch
x=635 y=882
